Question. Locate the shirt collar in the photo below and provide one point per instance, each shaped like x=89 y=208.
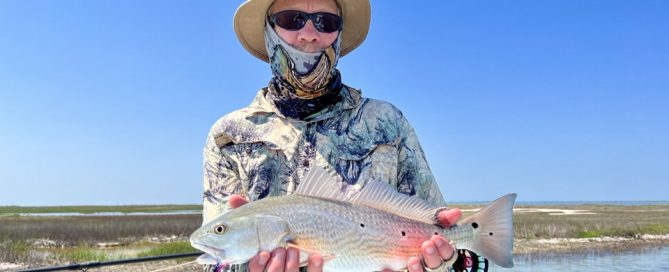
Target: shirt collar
x=350 y=99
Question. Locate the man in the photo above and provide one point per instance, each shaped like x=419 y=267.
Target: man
x=307 y=117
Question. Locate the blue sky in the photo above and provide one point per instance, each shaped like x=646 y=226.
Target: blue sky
x=109 y=102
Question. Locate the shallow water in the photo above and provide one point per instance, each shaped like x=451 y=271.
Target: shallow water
x=639 y=260
x=656 y=259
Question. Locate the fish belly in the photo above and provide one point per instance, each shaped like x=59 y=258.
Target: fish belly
x=353 y=238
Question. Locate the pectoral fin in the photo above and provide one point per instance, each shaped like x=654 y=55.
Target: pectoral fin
x=271 y=232
x=304 y=254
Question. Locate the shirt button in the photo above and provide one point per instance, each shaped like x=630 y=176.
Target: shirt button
x=305 y=164
x=248 y=151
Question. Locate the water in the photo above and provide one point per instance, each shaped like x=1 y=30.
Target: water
x=656 y=259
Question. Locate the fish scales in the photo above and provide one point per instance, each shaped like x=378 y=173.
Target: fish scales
x=367 y=230
x=332 y=227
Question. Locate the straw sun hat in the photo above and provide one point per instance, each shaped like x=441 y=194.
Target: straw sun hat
x=250 y=18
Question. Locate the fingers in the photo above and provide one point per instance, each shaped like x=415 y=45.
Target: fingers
x=315 y=263
x=444 y=248
x=258 y=263
x=236 y=201
x=292 y=260
x=434 y=251
x=449 y=217
x=431 y=257
x=284 y=260
x=278 y=261
x=414 y=265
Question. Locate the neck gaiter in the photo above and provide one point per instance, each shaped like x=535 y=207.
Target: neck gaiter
x=303 y=83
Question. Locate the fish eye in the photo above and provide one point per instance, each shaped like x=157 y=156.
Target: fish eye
x=220 y=229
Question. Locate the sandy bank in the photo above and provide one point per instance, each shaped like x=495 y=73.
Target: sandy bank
x=544 y=210
x=598 y=244
x=10 y=266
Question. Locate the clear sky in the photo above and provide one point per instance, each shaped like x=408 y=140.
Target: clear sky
x=110 y=102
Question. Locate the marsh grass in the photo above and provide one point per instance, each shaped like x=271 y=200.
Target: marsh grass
x=86 y=254
x=168 y=248
x=614 y=221
x=8 y=210
x=88 y=230
x=14 y=251
x=74 y=238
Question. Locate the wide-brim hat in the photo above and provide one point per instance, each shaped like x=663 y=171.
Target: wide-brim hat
x=250 y=19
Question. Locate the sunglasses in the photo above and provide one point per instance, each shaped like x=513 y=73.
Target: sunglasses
x=294 y=20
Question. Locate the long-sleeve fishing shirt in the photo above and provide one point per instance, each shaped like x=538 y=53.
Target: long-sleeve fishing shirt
x=257 y=152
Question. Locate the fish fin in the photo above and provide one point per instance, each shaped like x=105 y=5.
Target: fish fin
x=305 y=253
x=493 y=230
x=320 y=183
x=328 y=257
x=380 y=195
x=266 y=232
x=309 y=252
x=376 y=194
x=294 y=245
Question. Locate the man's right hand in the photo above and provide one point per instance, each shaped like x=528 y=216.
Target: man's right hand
x=281 y=259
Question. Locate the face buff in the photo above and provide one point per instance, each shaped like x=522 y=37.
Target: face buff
x=303 y=83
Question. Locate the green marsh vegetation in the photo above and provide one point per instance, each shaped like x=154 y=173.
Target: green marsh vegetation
x=57 y=240
x=89 y=230
x=590 y=222
x=168 y=248
x=12 y=210
x=598 y=221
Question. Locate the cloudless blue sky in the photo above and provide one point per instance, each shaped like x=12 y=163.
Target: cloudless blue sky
x=110 y=102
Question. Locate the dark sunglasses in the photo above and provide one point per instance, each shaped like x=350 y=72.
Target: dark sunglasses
x=295 y=20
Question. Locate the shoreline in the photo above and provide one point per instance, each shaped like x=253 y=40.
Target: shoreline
x=603 y=245
x=541 y=232
x=523 y=248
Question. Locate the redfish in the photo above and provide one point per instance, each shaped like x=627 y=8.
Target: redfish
x=368 y=229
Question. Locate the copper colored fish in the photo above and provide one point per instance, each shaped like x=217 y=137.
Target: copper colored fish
x=366 y=229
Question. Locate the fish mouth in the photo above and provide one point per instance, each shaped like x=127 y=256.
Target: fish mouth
x=215 y=253
x=207 y=259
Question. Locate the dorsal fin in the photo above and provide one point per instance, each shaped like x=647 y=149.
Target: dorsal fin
x=380 y=195
x=376 y=194
x=319 y=183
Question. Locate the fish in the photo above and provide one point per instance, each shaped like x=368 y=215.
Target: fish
x=368 y=228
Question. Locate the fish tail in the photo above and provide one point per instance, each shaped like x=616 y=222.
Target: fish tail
x=492 y=229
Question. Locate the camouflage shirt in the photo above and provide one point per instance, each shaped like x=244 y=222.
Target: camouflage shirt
x=257 y=152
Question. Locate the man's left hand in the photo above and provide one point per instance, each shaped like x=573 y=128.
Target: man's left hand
x=438 y=248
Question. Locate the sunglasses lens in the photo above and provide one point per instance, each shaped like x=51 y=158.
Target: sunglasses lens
x=327 y=22
x=289 y=19
x=294 y=20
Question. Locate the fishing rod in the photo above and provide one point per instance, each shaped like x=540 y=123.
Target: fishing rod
x=86 y=266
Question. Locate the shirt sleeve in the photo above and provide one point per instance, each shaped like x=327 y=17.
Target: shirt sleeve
x=221 y=179
x=414 y=176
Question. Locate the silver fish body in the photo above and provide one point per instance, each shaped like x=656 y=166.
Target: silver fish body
x=356 y=234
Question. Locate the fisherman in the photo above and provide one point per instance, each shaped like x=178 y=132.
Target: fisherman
x=307 y=117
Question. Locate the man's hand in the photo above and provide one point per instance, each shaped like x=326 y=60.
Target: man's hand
x=281 y=259
x=437 y=248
